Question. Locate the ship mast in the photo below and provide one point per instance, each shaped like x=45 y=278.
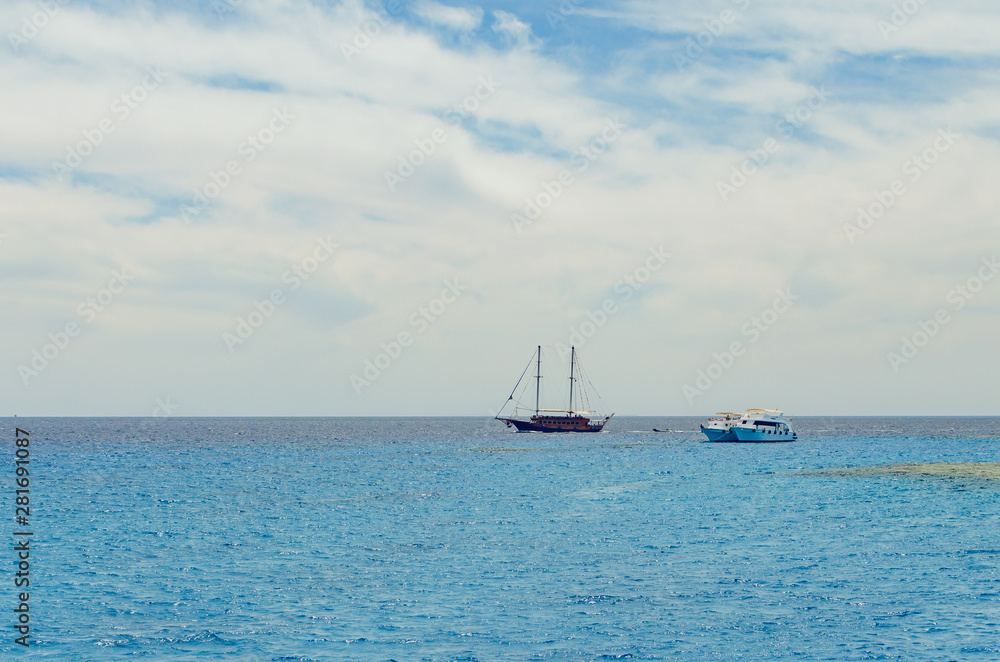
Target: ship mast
x=572 y=361
x=538 y=378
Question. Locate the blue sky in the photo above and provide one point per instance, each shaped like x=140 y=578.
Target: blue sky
x=416 y=147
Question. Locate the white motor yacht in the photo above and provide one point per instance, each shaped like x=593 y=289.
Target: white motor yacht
x=764 y=425
x=756 y=425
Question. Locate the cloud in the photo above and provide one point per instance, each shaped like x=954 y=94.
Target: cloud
x=358 y=118
x=511 y=27
x=455 y=18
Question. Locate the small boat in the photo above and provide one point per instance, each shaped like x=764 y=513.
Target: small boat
x=555 y=420
x=719 y=427
x=756 y=425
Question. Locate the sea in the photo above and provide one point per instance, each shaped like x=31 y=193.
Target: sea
x=457 y=539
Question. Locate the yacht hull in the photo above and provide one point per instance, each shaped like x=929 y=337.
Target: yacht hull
x=717 y=434
x=762 y=435
x=552 y=424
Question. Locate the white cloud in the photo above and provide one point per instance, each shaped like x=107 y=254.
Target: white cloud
x=456 y=18
x=857 y=26
x=511 y=27
x=324 y=175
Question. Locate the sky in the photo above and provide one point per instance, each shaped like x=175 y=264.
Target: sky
x=276 y=208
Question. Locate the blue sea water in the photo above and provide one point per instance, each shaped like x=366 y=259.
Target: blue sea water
x=457 y=539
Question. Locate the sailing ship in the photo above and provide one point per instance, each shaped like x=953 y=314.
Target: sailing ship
x=555 y=420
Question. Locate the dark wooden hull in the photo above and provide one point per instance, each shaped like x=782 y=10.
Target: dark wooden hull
x=556 y=424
